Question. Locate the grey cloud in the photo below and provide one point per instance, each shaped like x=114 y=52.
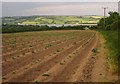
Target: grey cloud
x=55 y=8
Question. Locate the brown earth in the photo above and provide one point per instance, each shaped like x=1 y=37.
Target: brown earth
x=69 y=59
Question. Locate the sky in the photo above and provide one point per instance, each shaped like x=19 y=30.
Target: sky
x=60 y=0
x=80 y=8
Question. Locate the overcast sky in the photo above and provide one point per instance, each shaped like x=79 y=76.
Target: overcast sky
x=57 y=8
x=60 y=0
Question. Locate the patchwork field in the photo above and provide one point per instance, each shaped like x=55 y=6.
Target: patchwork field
x=49 y=56
x=37 y=20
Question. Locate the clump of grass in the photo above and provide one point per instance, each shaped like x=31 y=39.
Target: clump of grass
x=30 y=46
x=49 y=45
x=36 y=82
x=54 y=53
x=45 y=74
x=112 y=53
x=13 y=46
x=13 y=72
x=74 y=43
x=33 y=51
x=57 y=50
x=18 y=56
x=23 y=53
x=72 y=38
x=14 y=42
x=39 y=59
x=61 y=63
x=13 y=58
x=5 y=60
x=49 y=55
x=56 y=61
x=4 y=78
x=95 y=50
x=46 y=48
x=36 y=62
x=74 y=53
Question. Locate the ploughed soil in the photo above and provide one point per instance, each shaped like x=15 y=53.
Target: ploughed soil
x=55 y=56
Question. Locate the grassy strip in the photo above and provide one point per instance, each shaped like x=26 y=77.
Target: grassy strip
x=111 y=45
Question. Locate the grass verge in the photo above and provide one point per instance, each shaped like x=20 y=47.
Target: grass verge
x=112 y=54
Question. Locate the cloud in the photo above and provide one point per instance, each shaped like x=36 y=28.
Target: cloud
x=60 y=0
x=72 y=9
x=56 y=8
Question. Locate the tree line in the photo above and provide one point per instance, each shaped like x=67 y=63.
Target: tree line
x=111 y=23
x=25 y=28
x=110 y=31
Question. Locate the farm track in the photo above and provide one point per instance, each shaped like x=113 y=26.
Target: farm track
x=61 y=61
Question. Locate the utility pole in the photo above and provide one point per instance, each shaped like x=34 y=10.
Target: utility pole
x=104 y=15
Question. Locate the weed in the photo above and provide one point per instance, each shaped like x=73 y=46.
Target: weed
x=36 y=62
x=45 y=75
x=4 y=78
x=30 y=46
x=111 y=44
x=74 y=53
x=48 y=45
x=39 y=59
x=72 y=38
x=5 y=60
x=57 y=50
x=23 y=53
x=61 y=63
x=13 y=58
x=95 y=50
x=36 y=82
x=14 y=42
x=54 y=53
x=18 y=56
x=46 y=48
x=74 y=43
x=13 y=46
x=69 y=56
x=13 y=72
x=56 y=61
x=33 y=51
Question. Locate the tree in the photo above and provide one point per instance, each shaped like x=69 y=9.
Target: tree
x=110 y=21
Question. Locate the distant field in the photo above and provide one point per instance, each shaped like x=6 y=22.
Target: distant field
x=51 y=20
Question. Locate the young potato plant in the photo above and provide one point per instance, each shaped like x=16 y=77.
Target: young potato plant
x=45 y=74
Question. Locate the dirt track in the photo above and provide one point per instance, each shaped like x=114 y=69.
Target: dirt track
x=55 y=56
